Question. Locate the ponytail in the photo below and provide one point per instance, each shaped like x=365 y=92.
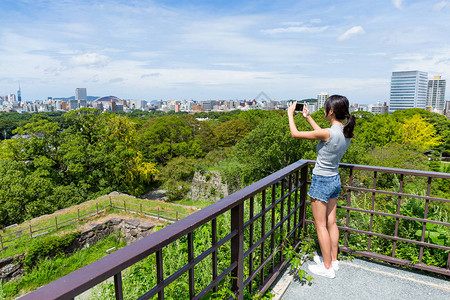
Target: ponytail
x=349 y=126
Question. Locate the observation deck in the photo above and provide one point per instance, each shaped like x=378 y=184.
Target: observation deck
x=240 y=245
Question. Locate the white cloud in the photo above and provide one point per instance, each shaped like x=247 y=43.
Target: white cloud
x=441 y=5
x=355 y=30
x=295 y=29
x=398 y=3
x=89 y=59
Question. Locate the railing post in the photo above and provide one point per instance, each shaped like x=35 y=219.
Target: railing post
x=237 y=250
x=1 y=241
x=214 y=254
x=424 y=225
x=118 y=286
x=374 y=186
x=158 y=213
x=78 y=212
x=97 y=207
x=190 y=238
x=399 y=202
x=349 y=202
x=31 y=232
x=140 y=207
x=176 y=215
x=56 y=222
x=159 y=272
x=303 y=191
x=110 y=202
x=124 y=206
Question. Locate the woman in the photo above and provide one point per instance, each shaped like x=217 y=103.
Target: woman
x=326 y=183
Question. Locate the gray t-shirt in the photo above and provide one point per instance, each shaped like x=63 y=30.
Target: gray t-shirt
x=329 y=153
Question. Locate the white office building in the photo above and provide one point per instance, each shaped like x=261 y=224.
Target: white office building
x=436 y=94
x=408 y=90
x=321 y=98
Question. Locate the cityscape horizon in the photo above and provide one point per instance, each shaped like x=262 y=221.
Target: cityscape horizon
x=219 y=50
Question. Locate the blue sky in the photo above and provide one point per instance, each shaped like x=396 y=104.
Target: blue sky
x=219 y=49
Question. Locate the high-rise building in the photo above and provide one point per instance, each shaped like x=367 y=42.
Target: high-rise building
x=436 y=94
x=321 y=98
x=408 y=90
x=19 y=94
x=80 y=94
x=447 y=109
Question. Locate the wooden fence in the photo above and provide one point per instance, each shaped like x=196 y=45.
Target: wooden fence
x=32 y=231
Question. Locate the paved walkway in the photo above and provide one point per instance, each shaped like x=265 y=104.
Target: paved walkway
x=365 y=279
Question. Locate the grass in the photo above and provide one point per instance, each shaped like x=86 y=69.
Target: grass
x=444 y=165
x=48 y=270
x=189 y=202
x=20 y=245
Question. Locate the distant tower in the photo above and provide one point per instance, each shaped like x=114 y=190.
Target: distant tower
x=436 y=93
x=81 y=97
x=19 y=94
x=321 y=98
x=408 y=90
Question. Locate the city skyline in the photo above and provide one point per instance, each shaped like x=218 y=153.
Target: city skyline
x=219 y=50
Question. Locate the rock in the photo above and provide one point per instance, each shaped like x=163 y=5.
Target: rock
x=207 y=187
x=6 y=261
x=145 y=226
x=114 y=221
x=131 y=223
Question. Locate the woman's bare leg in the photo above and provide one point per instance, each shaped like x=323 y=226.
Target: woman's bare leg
x=320 y=213
x=332 y=228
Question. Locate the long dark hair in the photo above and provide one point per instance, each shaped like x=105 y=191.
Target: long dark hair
x=339 y=104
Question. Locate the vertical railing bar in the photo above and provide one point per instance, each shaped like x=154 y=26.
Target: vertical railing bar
x=281 y=218
x=190 y=238
x=296 y=236
x=78 y=213
x=159 y=272
x=424 y=225
x=237 y=250
x=272 y=237
x=214 y=254
x=263 y=232
x=56 y=222
x=289 y=202
x=250 y=259
x=118 y=286
x=374 y=186
x=31 y=232
x=399 y=201
x=1 y=241
x=349 y=200
x=124 y=206
x=303 y=179
x=140 y=207
x=97 y=207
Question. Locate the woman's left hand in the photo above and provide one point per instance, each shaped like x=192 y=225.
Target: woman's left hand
x=291 y=107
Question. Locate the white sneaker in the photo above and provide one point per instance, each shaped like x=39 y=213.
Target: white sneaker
x=321 y=271
x=319 y=260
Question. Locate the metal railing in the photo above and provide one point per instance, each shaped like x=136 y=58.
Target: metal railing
x=396 y=216
x=262 y=218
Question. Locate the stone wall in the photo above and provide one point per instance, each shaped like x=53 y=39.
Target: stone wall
x=207 y=187
x=132 y=230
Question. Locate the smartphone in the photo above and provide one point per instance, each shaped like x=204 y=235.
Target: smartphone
x=299 y=107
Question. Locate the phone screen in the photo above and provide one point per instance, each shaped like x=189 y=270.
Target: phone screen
x=299 y=107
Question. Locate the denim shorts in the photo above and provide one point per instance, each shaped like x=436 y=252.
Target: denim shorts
x=324 y=188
